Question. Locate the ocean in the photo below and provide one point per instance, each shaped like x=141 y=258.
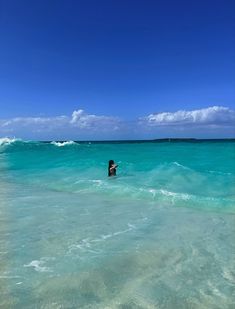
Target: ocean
x=158 y=235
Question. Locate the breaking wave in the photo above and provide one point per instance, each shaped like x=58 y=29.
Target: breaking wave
x=8 y=141
x=62 y=144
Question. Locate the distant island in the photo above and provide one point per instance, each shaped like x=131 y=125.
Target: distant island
x=185 y=139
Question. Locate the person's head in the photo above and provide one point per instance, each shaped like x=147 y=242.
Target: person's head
x=111 y=162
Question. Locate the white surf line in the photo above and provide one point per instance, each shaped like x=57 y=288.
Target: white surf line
x=87 y=243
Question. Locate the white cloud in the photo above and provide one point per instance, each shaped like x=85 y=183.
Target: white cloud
x=218 y=121
x=87 y=121
x=79 y=124
x=26 y=121
x=216 y=115
x=78 y=119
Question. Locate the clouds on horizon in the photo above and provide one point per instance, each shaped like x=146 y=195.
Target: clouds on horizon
x=83 y=120
x=215 y=115
x=215 y=121
x=79 y=125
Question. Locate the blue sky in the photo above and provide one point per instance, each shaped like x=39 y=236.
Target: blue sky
x=122 y=60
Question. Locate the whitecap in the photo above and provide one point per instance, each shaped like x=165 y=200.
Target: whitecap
x=62 y=144
x=99 y=182
x=181 y=165
x=38 y=266
x=8 y=141
x=122 y=232
x=131 y=226
x=183 y=196
x=86 y=244
x=103 y=237
x=153 y=192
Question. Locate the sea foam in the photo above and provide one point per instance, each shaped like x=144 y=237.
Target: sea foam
x=8 y=141
x=38 y=265
x=62 y=144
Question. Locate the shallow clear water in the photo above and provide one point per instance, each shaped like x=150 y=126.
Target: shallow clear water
x=159 y=235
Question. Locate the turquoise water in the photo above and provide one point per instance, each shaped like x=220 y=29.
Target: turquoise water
x=159 y=235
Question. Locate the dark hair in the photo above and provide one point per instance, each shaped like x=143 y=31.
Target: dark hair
x=111 y=162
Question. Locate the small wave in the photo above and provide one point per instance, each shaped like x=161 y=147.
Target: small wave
x=86 y=244
x=8 y=141
x=183 y=196
x=38 y=266
x=180 y=165
x=62 y=144
x=219 y=173
x=97 y=182
x=207 y=171
x=162 y=192
x=186 y=196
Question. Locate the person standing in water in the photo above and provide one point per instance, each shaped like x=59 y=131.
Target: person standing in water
x=112 y=168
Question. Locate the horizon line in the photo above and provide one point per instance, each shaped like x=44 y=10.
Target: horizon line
x=167 y=139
